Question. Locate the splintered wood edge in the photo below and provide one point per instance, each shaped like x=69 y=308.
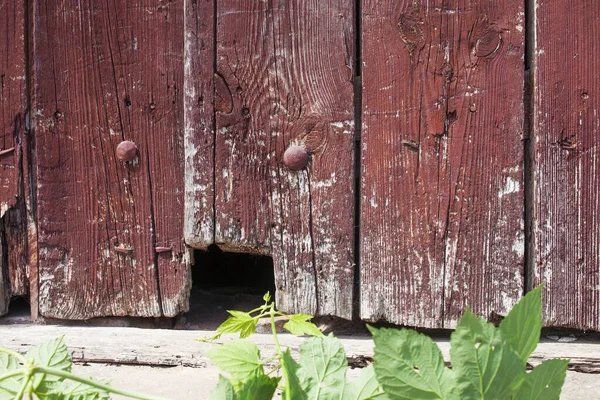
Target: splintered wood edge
x=161 y=347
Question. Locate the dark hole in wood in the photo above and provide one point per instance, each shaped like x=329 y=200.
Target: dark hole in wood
x=224 y=281
x=19 y=311
x=232 y=273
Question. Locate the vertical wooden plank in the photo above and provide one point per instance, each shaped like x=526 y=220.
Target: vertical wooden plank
x=199 y=123
x=15 y=234
x=442 y=160
x=284 y=76
x=566 y=177
x=4 y=282
x=13 y=109
x=110 y=232
x=13 y=99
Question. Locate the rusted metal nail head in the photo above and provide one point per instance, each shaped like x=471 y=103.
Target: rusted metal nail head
x=126 y=150
x=295 y=158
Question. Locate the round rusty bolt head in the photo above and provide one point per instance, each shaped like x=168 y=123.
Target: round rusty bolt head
x=126 y=151
x=295 y=158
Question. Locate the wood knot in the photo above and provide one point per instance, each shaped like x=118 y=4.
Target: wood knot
x=488 y=43
x=223 y=97
x=411 y=32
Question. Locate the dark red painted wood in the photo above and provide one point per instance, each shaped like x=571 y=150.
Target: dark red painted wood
x=13 y=108
x=566 y=176
x=110 y=232
x=199 y=123
x=442 y=160
x=284 y=77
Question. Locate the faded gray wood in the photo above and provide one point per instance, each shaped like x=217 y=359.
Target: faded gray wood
x=172 y=347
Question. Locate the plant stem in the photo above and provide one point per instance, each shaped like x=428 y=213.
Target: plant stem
x=12 y=353
x=11 y=374
x=268 y=360
x=274 y=330
x=19 y=395
x=98 y=385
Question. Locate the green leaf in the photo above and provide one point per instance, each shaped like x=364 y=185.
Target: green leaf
x=523 y=325
x=291 y=370
x=223 y=390
x=9 y=387
x=409 y=365
x=259 y=387
x=485 y=365
x=545 y=381
x=240 y=359
x=323 y=367
x=51 y=354
x=299 y=324
x=366 y=387
x=267 y=297
x=75 y=391
x=239 y=321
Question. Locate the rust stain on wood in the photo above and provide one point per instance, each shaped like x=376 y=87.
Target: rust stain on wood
x=103 y=74
x=442 y=160
x=566 y=143
x=284 y=77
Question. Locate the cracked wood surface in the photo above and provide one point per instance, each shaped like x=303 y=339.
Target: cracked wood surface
x=199 y=123
x=442 y=160
x=13 y=106
x=566 y=145
x=103 y=73
x=284 y=72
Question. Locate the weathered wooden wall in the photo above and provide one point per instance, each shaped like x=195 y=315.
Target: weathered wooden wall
x=566 y=175
x=214 y=92
x=284 y=76
x=110 y=232
x=442 y=160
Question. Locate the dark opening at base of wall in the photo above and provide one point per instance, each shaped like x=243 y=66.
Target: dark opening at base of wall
x=224 y=281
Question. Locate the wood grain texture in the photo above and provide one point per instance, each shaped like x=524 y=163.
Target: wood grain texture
x=13 y=99
x=110 y=232
x=442 y=160
x=15 y=236
x=566 y=141
x=4 y=282
x=284 y=76
x=199 y=123
x=13 y=110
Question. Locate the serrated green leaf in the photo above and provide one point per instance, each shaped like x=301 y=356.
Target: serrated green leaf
x=409 y=365
x=75 y=391
x=485 y=365
x=323 y=366
x=291 y=370
x=366 y=387
x=9 y=387
x=51 y=354
x=259 y=387
x=298 y=324
x=240 y=359
x=239 y=322
x=545 y=381
x=223 y=391
x=523 y=325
